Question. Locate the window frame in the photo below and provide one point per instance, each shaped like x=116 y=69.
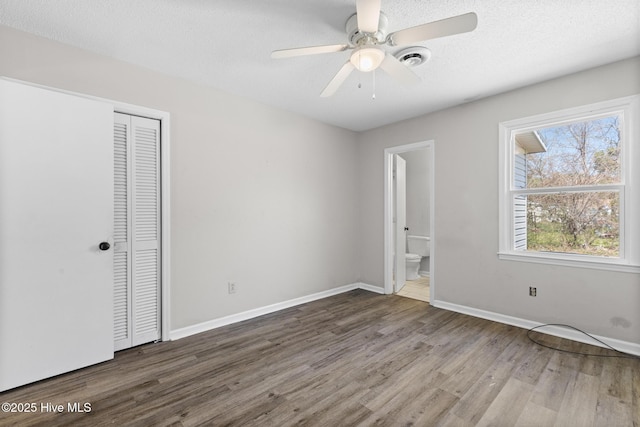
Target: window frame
x=628 y=109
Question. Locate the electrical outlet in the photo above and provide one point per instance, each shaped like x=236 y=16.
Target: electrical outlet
x=533 y=291
x=232 y=287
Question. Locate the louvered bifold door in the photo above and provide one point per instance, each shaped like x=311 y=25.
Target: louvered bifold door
x=122 y=232
x=137 y=231
x=145 y=230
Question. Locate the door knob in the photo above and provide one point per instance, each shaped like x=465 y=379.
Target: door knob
x=104 y=246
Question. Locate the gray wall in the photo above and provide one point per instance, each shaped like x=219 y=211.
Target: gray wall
x=262 y=197
x=467 y=269
x=286 y=206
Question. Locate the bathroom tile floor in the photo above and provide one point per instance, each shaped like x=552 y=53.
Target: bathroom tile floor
x=416 y=289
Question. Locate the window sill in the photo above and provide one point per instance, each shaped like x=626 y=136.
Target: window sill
x=597 y=264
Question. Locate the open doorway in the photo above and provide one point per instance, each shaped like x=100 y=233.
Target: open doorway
x=409 y=218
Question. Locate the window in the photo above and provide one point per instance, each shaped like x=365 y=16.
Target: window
x=566 y=185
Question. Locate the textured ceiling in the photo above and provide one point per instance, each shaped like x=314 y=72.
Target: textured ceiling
x=227 y=44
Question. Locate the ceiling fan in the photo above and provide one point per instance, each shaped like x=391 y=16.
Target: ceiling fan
x=367 y=33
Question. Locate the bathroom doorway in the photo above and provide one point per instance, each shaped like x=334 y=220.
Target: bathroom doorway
x=418 y=206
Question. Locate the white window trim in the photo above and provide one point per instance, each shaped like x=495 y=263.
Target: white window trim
x=629 y=260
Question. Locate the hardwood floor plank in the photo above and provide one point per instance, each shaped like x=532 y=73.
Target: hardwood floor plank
x=479 y=397
x=382 y=391
x=355 y=359
x=616 y=380
x=436 y=408
x=536 y=416
x=506 y=408
x=335 y=404
x=468 y=366
x=611 y=411
x=580 y=402
x=534 y=363
x=551 y=387
x=451 y=420
x=418 y=405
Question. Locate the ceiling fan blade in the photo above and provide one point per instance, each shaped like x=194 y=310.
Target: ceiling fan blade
x=311 y=50
x=445 y=27
x=399 y=71
x=368 y=15
x=338 y=79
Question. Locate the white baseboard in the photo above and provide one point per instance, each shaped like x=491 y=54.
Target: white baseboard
x=423 y=273
x=370 y=288
x=624 y=346
x=250 y=314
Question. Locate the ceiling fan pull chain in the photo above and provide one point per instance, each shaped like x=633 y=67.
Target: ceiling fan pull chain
x=374 y=84
x=359 y=75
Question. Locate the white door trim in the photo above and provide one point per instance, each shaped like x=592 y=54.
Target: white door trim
x=165 y=187
x=388 y=212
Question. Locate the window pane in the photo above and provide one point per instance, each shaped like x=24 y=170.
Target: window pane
x=585 y=223
x=583 y=153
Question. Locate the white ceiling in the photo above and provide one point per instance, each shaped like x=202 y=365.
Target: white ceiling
x=227 y=44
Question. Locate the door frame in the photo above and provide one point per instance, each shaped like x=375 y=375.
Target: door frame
x=388 y=212
x=165 y=187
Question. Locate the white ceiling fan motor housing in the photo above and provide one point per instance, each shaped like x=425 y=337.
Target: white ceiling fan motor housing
x=357 y=38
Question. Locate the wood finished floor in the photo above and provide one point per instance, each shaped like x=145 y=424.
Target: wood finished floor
x=416 y=289
x=353 y=359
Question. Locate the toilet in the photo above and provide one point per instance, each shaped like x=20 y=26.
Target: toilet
x=419 y=246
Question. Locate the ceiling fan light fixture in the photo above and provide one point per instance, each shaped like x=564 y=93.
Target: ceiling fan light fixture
x=367 y=58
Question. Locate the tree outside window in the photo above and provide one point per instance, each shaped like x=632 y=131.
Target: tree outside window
x=571 y=206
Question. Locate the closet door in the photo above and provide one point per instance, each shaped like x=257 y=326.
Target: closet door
x=122 y=231
x=137 y=230
x=56 y=208
x=400 y=183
